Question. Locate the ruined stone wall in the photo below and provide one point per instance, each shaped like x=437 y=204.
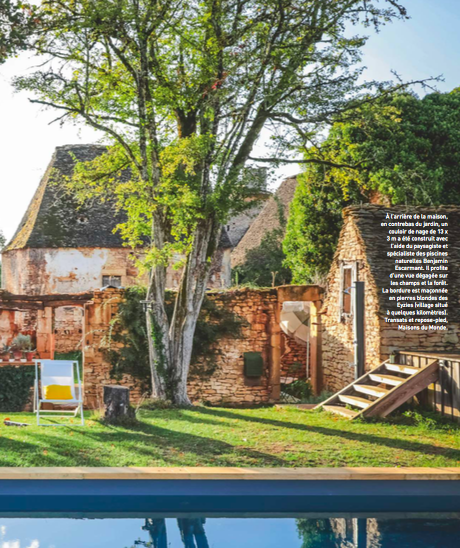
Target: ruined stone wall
x=96 y=369
x=226 y=383
x=68 y=329
x=293 y=358
x=338 y=351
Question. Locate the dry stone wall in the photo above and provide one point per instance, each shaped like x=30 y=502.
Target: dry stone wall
x=338 y=351
x=226 y=383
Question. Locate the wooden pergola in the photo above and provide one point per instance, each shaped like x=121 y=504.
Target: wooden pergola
x=10 y=303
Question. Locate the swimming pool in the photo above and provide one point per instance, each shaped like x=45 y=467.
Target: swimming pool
x=203 y=508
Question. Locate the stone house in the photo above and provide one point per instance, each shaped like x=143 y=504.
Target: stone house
x=361 y=256
x=64 y=247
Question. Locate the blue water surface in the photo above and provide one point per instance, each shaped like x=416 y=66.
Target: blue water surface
x=197 y=532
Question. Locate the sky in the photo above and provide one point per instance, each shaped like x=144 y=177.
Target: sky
x=426 y=45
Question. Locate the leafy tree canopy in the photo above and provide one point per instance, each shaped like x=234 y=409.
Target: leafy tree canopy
x=182 y=91
x=17 y=20
x=401 y=150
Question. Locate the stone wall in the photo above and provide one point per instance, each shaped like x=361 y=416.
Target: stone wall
x=224 y=383
x=338 y=350
x=228 y=384
x=96 y=370
x=68 y=329
x=48 y=271
x=293 y=358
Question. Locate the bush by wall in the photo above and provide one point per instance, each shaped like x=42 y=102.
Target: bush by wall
x=15 y=385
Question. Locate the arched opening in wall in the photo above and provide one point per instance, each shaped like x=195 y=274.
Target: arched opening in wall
x=295 y=357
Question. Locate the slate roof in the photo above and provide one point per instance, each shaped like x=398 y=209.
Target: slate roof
x=368 y=217
x=55 y=219
x=267 y=220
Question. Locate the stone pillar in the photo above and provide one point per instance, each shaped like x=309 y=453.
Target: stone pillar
x=275 y=353
x=45 y=339
x=316 y=348
x=8 y=328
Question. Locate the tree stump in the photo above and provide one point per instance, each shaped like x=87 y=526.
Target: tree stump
x=117 y=408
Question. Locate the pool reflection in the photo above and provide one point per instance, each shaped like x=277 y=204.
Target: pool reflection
x=433 y=531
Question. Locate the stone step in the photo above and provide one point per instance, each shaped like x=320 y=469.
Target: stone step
x=407 y=369
x=349 y=413
x=371 y=390
x=355 y=400
x=386 y=379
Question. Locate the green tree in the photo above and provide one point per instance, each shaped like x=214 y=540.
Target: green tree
x=17 y=20
x=183 y=90
x=400 y=150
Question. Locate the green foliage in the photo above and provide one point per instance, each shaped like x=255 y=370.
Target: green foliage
x=128 y=350
x=15 y=385
x=316 y=533
x=264 y=264
x=17 y=20
x=182 y=91
x=22 y=342
x=128 y=344
x=400 y=150
x=300 y=389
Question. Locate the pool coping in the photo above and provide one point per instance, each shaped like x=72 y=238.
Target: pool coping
x=214 y=473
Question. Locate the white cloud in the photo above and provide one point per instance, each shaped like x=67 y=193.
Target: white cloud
x=11 y=544
x=17 y=543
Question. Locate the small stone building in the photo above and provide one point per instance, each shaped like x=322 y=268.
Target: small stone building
x=361 y=255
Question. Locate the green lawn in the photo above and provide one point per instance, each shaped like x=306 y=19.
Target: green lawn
x=233 y=437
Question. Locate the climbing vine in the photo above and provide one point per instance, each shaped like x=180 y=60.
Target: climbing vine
x=127 y=345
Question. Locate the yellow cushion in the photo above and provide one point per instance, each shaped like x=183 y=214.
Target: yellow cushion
x=56 y=392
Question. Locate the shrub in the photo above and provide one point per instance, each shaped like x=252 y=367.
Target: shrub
x=15 y=385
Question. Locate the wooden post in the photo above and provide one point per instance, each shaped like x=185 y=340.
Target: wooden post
x=45 y=338
x=316 y=348
x=116 y=403
x=275 y=354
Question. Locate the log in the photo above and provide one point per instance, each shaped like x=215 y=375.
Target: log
x=117 y=407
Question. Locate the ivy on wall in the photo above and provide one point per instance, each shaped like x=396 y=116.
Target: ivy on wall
x=15 y=385
x=127 y=346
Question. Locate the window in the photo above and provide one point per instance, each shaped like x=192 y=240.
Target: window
x=348 y=276
x=114 y=281
x=346 y=290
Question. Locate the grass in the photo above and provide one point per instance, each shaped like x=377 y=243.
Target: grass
x=233 y=437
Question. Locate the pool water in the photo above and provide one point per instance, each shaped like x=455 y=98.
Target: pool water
x=434 y=531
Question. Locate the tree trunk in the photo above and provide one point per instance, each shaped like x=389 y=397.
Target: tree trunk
x=117 y=407
x=171 y=350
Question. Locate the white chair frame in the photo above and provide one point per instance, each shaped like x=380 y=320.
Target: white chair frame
x=78 y=401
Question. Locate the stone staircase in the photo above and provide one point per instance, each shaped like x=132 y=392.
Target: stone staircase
x=381 y=390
